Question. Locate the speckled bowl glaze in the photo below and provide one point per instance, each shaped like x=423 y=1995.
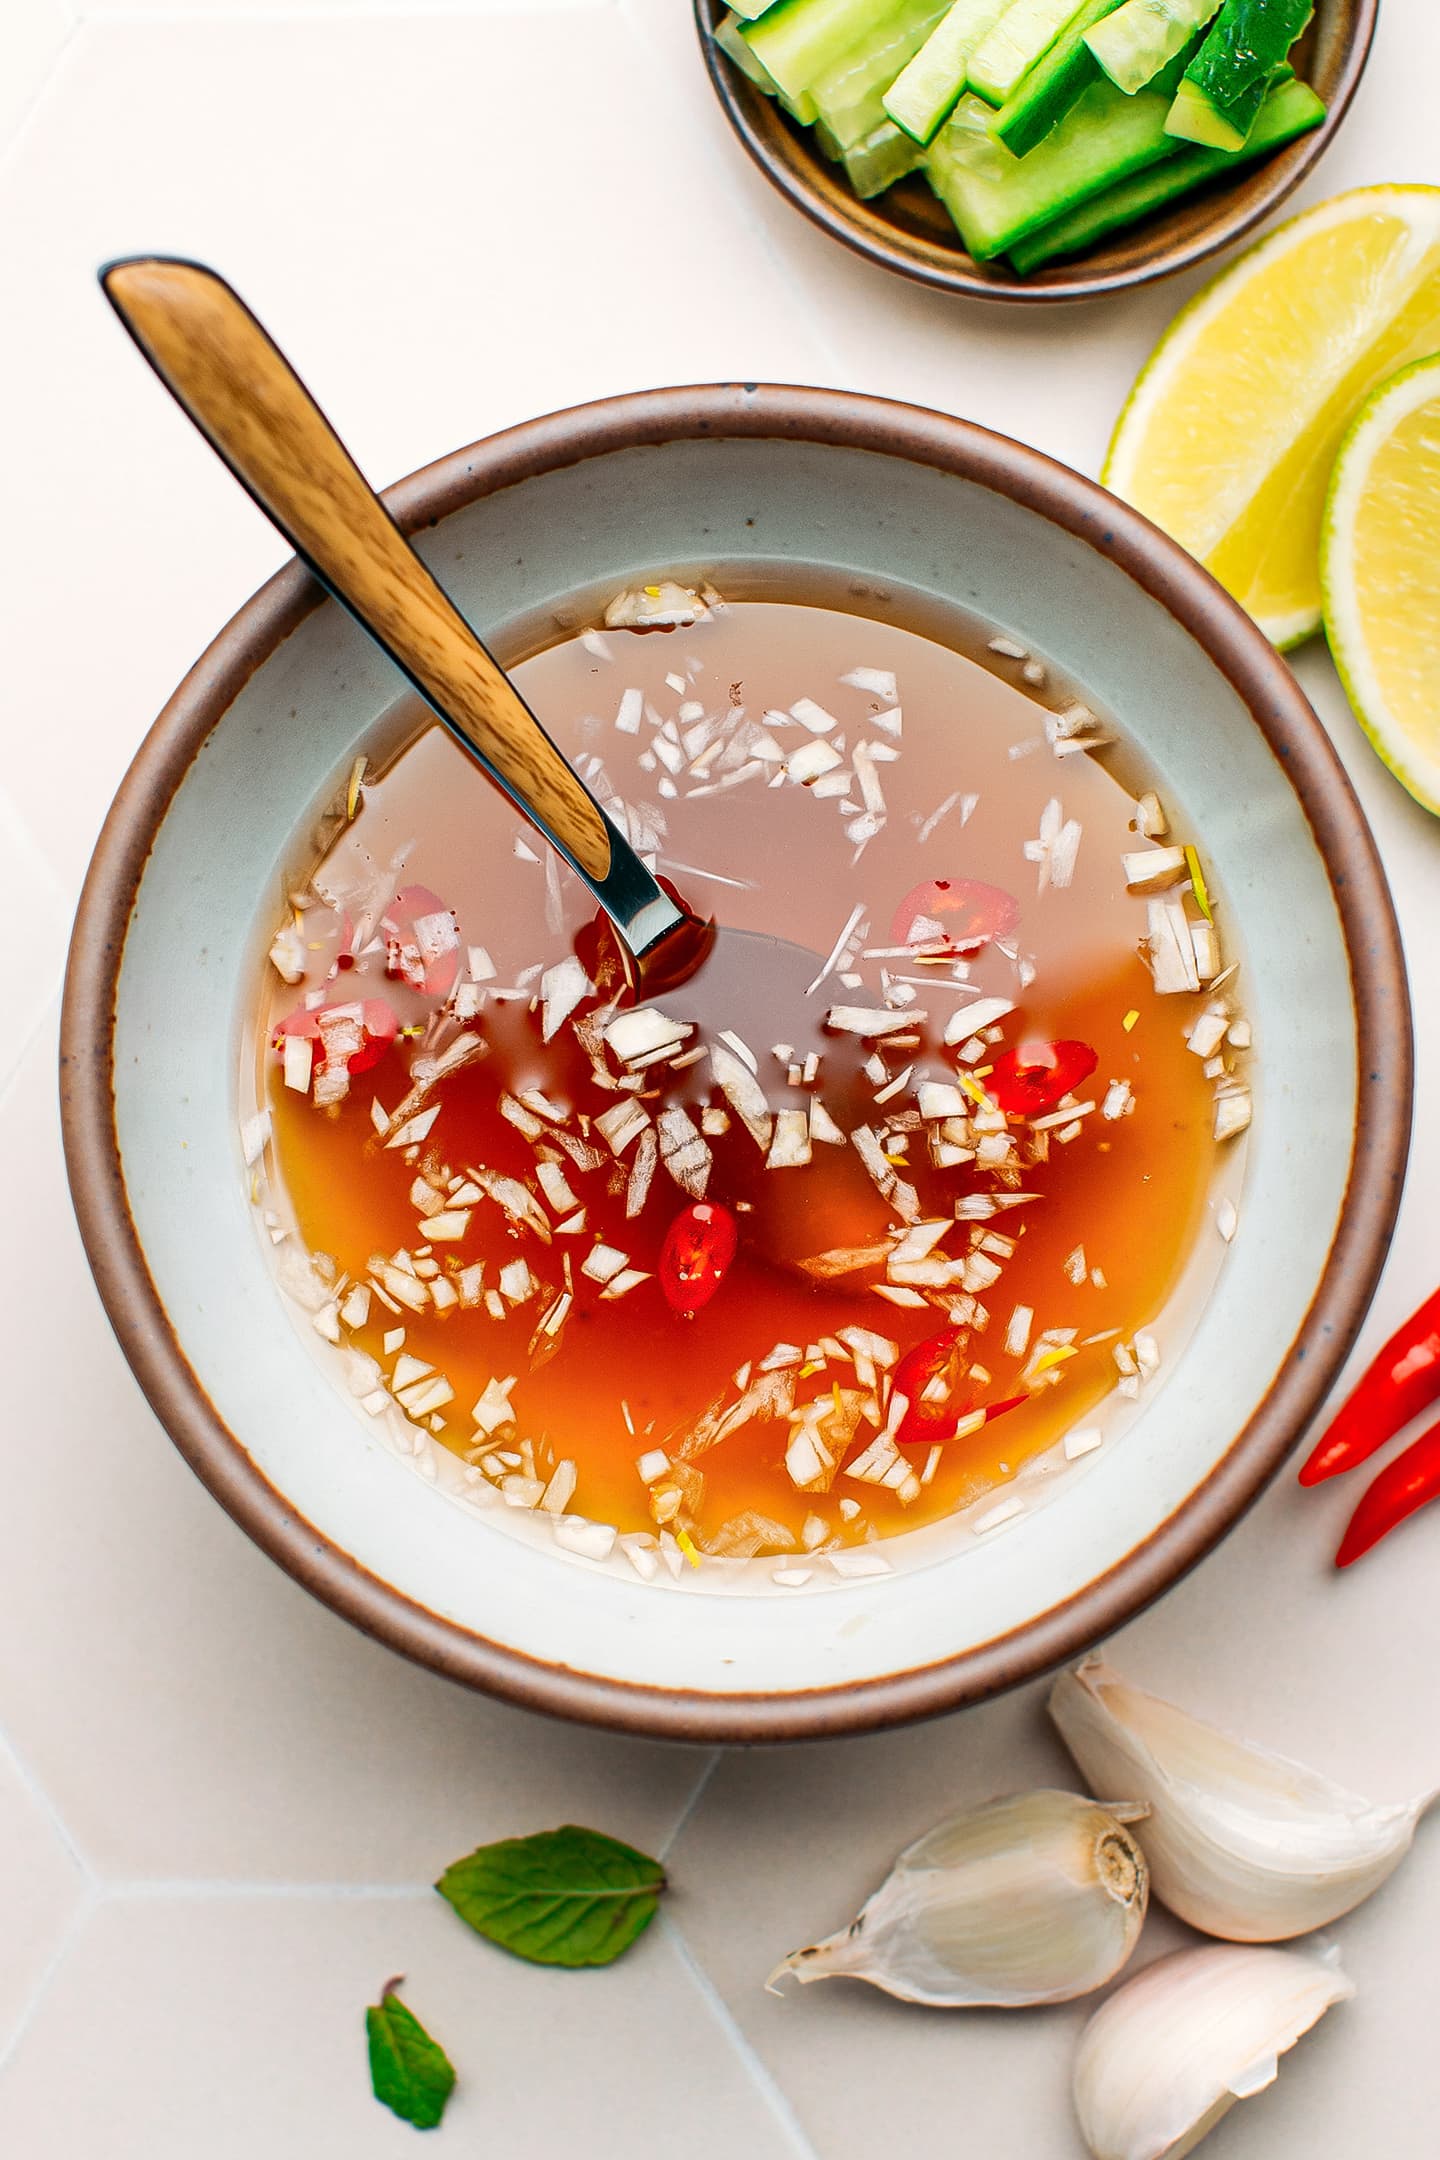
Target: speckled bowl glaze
x=264 y=724
x=906 y=229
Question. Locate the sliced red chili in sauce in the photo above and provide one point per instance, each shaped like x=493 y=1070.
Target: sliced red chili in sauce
x=696 y=1255
x=378 y=1028
x=921 y=1375
x=964 y=912
x=1035 y=1075
x=422 y=941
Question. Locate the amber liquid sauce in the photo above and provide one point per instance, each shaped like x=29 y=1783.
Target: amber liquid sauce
x=631 y=1374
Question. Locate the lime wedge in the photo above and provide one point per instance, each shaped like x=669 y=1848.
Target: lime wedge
x=1230 y=434
x=1380 y=574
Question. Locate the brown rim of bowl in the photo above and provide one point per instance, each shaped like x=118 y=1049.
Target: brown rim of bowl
x=1352 y=1267
x=1194 y=229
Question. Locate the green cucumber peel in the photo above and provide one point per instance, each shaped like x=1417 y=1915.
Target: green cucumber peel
x=1057 y=81
x=1290 y=110
x=798 y=40
x=850 y=95
x=1023 y=35
x=1134 y=43
x=729 y=37
x=995 y=198
x=925 y=92
x=1248 y=41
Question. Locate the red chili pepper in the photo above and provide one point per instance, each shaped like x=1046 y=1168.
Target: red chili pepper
x=1402 y=1488
x=1033 y=1077
x=980 y=912
x=378 y=1023
x=696 y=1255
x=422 y=941
x=930 y=1361
x=1397 y=1385
x=928 y=1420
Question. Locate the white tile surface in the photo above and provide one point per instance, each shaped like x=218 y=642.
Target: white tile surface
x=234 y=2027
x=36 y=962
x=262 y=1794
x=43 y=1888
x=32 y=34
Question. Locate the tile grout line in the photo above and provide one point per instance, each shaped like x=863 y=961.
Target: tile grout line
x=27 y=113
x=761 y=2077
x=31 y=1782
x=75 y=1927
x=697 y=1793
x=174 y=12
x=216 y=1891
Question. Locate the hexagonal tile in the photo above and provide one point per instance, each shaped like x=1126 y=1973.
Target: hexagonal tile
x=440 y=254
x=43 y=1887
x=190 y=1710
x=235 y=2026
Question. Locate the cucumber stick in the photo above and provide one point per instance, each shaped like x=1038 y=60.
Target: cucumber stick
x=923 y=94
x=1134 y=43
x=1289 y=110
x=732 y=43
x=882 y=158
x=996 y=198
x=1026 y=30
x=1056 y=82
x=849 y=96
x=747 y=10
x=797 y=40
x=1223 y=87
x=730 y=37
x=1196 y=117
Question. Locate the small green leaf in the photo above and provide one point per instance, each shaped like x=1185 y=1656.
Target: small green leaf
x=563 y=1897
x=410 y=2072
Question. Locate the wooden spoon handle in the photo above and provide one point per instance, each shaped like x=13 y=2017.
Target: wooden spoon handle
x=244 y=396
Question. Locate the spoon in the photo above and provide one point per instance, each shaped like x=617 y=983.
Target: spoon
x=228 y=374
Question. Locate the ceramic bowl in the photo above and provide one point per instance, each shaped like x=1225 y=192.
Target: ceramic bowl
x=906 y=229
x=609 y=495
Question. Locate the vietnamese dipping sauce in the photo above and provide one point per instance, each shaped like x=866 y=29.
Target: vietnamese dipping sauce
x=702 y=1283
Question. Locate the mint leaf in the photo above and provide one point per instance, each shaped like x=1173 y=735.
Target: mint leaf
x=409 y=2072
x=564 y=1897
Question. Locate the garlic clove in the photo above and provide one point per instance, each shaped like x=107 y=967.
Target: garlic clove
x=1241 y=1842
x=1035 y=1898
x=1172 y=2050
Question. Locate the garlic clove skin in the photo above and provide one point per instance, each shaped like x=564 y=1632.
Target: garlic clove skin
x=1035 y=1898
x=1242 y=1843
x=1175 y=2048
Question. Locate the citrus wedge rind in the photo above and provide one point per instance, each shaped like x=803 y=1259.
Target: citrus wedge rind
x=1380 y=574
x=1229 y=436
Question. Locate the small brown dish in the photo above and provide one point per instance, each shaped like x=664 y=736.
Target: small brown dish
x=906 y=229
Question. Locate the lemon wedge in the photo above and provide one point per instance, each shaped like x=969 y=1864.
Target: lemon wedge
x=1230 y=434
x=1380 y=574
